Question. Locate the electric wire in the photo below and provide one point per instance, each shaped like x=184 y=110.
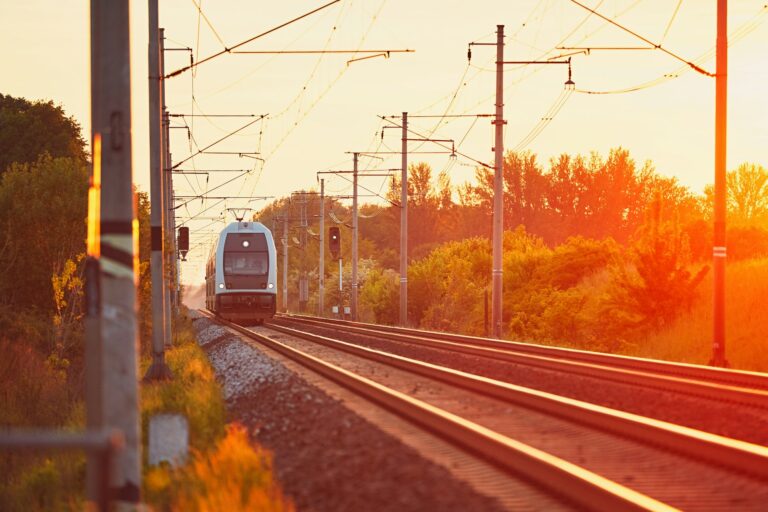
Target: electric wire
x=645 y=40
x=207 y=22
x=558 y=104
x=238 y=45
x=671 y=20
x=737 y=35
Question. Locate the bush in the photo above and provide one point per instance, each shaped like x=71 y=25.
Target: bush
x=203 y=484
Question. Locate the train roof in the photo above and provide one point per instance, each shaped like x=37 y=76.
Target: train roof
x=245 y=227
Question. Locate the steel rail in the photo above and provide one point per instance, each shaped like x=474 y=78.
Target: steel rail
x=734 y=381
x=557 y=476
x=739 y=456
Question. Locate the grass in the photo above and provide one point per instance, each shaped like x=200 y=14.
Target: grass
x=193 y=391
x=689 y=338
x=225 y=470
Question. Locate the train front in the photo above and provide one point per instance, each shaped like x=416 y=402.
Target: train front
x=246 y=273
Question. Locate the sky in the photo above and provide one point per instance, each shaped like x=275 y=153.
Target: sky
x=320 y=107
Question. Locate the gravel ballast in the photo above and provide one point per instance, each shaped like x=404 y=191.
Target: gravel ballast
x=326 y=457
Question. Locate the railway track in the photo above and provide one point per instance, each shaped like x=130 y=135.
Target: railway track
x=728 y=403
x=664 y=449
x=749 y=388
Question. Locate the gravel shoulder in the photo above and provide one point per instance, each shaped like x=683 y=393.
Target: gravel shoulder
x=326 y=457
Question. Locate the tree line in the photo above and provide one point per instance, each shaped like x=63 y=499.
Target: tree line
x=597 y=249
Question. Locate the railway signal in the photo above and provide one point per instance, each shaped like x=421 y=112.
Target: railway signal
x=334 y=241
x=183 y=242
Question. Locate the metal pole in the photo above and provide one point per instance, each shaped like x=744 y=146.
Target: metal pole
x=285 y=262
x=404 y=226
x=321 y=270
x=498 y=188
x=111 y=126
x=719 y=249
x=158 y=369
x=303 y=288
x=169 y=232
x=341 y=288
x=354 y=238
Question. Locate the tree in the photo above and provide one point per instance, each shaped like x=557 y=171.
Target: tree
x=43 y=208
x=29 y=129
x=747 y=194
x=657 y=283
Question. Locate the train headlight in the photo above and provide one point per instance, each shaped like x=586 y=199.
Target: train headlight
x=246 y=243
x=221 y=285
x=270 y=285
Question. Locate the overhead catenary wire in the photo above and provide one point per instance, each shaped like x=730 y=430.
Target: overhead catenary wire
x=671 y=20
x=238 y=45
x=207 y=22
x=439 y=144
x=645 y=40
x=734 y=37
x=200 y=151
x=545 y=120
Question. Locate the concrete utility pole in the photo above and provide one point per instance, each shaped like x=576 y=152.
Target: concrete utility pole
x=169 y=235
x=498 y=189
x=303 y=284
x=404 y=226
x=111 y=135
x=285 y=262
x=719 y=249
x=321 y=268
x=354 y=237
x=158 y=369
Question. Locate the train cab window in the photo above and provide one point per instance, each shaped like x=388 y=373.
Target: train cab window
x=246 y=263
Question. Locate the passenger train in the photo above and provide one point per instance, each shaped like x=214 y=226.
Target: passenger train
x=241 y=274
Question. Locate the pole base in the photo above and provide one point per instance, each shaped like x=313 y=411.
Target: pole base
x=158 y=371
x=719 y=361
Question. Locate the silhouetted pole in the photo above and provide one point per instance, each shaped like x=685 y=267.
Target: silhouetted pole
x=321 y=272
x=303 y=284
x=404 y=225
x=719 y=249
x=111 y=126
x=169 y=231
x=285 y=262
x=498 y=189
x=158 y=369
x=354 y=237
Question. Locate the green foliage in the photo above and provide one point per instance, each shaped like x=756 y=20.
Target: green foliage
x=31 y=129
x=192 y=392
x=553 y=295
x=380 y=294
x=446 y=288
x=43 y=206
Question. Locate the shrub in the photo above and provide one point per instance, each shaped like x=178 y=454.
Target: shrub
x=202 y=485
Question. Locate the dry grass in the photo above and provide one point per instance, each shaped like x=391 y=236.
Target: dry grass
x=689 y=337
x=233 y=476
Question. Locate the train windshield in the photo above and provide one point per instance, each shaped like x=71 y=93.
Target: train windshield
x=246 y=263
